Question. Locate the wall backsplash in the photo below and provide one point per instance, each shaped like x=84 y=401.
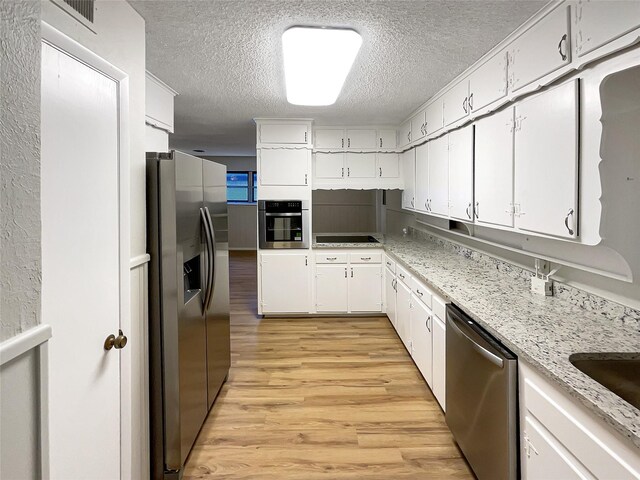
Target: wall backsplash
x=608 y=309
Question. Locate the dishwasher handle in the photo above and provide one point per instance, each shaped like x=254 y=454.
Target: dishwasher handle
x=492 y=357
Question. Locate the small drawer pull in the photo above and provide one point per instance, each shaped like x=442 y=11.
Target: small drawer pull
x=401 y=276
x=331 y=258
x=365 y=258
x=419 y=292
x=389 y=263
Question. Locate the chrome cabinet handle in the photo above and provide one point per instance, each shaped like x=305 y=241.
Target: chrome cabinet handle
x=345 y=273
x=401 y=276
x=566 y=221
x=348 y=142
x=464 y=105
x=412 y=205
x=348 y=171
x=419 y=292
x=352 y=273
x=471 y=102
x=563 y=55
x=365 y=258
x=467 y=210
x=409 y=136
x=426 y=323
x=426 y=207
x=476 y=210
x=343 y=143
x=380 y=142
x=342 y=172
x=388 y=264
x=305 y=178
x=380 y=170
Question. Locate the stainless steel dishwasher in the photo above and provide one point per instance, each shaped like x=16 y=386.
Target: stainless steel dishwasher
x=482 y=398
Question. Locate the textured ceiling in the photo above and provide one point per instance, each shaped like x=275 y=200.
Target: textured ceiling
x=224 y=58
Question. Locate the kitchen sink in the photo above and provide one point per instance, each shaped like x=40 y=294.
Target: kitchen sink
x=619 y=372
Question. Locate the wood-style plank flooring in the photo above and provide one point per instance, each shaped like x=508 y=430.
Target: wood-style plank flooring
x=329 y=398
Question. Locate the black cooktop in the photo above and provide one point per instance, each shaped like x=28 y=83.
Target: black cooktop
x=346 y=239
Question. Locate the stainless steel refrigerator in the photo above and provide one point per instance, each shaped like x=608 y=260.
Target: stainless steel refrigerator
x=188 y=301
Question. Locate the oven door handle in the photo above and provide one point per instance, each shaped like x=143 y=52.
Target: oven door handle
x=284 y=214
x=493 y=358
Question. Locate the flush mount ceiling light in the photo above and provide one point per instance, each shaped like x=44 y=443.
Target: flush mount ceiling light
x=317 y=62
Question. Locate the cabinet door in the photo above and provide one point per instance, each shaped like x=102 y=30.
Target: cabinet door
x=403 y=314
x=433 y=116
x=390 y=296
x=422 y=178
x=386 y=139
x=283 y=133
x=361 y=139
x=329 y=138
x=285 y=283
x=494 y=169
x=456 y=103
x=488 y=83
x=331 y=288
x=388 y=165
x=329 y=165
x=540 y=50
x=404 y=134
x=461 y=174
x=365 y=288
x=439 y=360
x=421 y=338
x=439 y=175
x=361 y=165
x=409 y=175
x=283 y=167
x=546 y=162
x=418 y=126
x=597 y=23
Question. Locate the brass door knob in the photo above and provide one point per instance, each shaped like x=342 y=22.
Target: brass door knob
x=120 y=341
x=109 y=342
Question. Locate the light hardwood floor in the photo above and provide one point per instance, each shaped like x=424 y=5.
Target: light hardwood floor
x=330 y=398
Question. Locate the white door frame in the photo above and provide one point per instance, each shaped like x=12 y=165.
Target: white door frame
x=70 y=47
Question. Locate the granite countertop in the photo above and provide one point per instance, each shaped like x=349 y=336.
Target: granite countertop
x=543 y=331
x=377 y=236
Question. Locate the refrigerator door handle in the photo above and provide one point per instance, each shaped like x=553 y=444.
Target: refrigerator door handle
x=212 y=257
x=209 y=275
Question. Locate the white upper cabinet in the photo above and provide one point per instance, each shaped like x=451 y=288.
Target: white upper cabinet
x=386 y=139
x=285 y=133
x=387 y=165
x=433 y=116
x=404 y=134
x=419 y=126
x=365 y=288
x=409 y=173
x=331 y=288
x=541 y=50
x=461 y=174
x=488 y=83
x=329 y=138
x=283 y=167
x=329 y=165
x=456 y=103
x=494 y=169
x=361 y=139
x=597 y=22
x=159 y=103
x=361 y=165
x=422 y=178
x=439 y=176
x=546 y=162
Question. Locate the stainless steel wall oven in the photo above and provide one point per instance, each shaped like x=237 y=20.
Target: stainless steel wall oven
x=283 y=223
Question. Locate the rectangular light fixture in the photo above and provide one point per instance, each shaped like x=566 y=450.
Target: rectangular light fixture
x=317 y=62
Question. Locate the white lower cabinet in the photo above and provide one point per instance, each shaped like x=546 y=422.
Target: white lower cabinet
x=439 y=360
x=403 y=313
x=421 y=338
x=331 y=288
x=284 y=283
x=560 y=438
x=390 y=295
x=365 y=288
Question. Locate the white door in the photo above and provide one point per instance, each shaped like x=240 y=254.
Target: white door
x=388 y=165
x=422 y=178
x=546 y=162
x=404 y=134
x=456 y=103
x=488 y=83
x=439 y=360
x=433 y=116
x=365 y=288
x=361 y=139
x=390 y=295
x=461 y=174
x=284 y=133
x=409 y=174
x=361 y=165
x=421 y=346
x=439 y=175
x=386 y=139
x=331 y=288
x=494 y=169
x=541 y=50
x=403 y=314
x=597 y=23
x=284 y=282
x=329 y=165
x=418 y=126
x=283 y=167
x=329 y=138
x=81 y=265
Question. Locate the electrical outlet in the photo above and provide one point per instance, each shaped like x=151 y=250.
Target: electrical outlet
x=542 y=286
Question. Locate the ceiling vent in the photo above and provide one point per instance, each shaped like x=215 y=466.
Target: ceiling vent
x=83 y=7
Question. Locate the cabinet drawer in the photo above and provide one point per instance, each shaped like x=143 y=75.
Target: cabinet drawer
x=390 y=264
x=403 y=274
x=420 y=291
x=439 y=307
x=331 y=258
x=373 y=257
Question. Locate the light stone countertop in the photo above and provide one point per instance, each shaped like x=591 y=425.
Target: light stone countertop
x=543 y=331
